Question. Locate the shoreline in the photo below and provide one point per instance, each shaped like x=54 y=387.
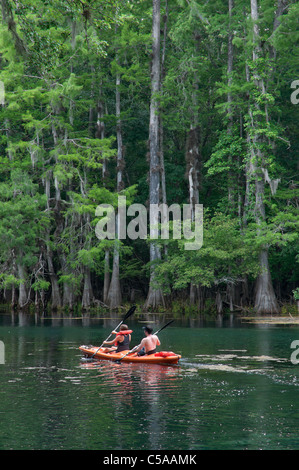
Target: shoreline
x=277 y=320
x=145 y=316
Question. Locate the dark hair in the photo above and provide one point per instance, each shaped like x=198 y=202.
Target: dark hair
x=124 y=327
x=148 y=329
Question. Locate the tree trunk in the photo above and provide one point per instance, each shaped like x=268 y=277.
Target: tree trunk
x=154 y=297
x=106 y=277
x=161 y=131
x=73 y=45
x=231 y=182
x=14 y=300
x=68 y=295
x=161 y=127
x=87 y=297
x=23 y=295
x=91 y=108
x=219 y=303
x=55 y=293
x=230 y=60
x=68 y=298
x=265 y=300
x=55 y=140
x=193 y=159
x=101 y=135
x=114 y=295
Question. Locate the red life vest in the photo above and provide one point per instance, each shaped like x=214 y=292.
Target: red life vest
x=124 y=332
x=165 y=354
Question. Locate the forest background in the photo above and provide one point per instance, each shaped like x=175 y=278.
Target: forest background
x=178 y=101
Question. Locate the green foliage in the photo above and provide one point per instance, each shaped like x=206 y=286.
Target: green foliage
x=58 y=146
x=40 y=284
x=8 y=280
x=224 y=258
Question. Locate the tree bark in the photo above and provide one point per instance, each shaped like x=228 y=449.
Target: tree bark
x=87 y=297
x=154 y=297
x=114 y=294
x=68 y=298
x=161 y=130
x=23 y=295
x=231 y=177
x=101 y=135
x=73 y=45
x=265 y=299
x=219 y=303
x=193 y=158
x=55 y=292
x=230 y=61
x=68 y=295
x=106 y=277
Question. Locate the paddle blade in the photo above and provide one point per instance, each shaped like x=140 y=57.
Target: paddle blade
x=130 y=312
x=87 y=359
x=167 y=324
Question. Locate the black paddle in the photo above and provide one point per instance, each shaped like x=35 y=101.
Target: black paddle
x=132 y=350
x=127 y=315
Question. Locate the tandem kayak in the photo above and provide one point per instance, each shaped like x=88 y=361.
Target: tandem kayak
x=162 y=357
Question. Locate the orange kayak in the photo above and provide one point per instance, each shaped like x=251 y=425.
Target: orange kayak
x=162 y=357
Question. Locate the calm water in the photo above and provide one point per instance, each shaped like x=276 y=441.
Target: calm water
x=235 y=388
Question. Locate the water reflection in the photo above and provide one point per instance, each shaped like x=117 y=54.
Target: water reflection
x=139 y=395
x=234 y=388
x=124 y=378
x=106 y=319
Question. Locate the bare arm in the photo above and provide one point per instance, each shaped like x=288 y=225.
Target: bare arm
x=113 y=341
x=109 y=343
x=140 y=346
x=158 y=341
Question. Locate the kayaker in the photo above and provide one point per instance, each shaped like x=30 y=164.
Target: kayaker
x=121 y=341
x=149 y=343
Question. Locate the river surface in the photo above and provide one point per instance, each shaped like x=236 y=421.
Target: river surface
x=234 y=388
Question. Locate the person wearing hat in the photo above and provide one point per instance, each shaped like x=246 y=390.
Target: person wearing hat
x=149 y=343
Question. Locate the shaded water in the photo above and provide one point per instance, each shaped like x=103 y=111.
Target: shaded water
x=234 y=388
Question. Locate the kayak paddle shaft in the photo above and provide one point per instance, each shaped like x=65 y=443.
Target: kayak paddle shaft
x=128 y=314
x=132 y=350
